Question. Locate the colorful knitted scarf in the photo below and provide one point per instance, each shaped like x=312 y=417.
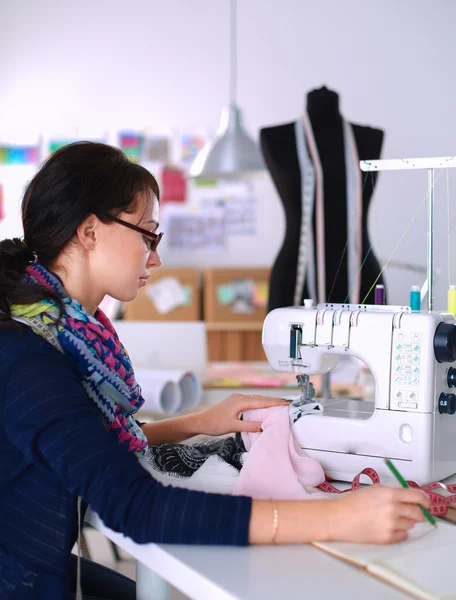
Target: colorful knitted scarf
x=96 y=352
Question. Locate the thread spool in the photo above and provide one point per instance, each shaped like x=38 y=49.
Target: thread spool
x=415 y=298
x=379 y=294
x=452 y=299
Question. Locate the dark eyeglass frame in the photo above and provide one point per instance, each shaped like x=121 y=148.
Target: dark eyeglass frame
x=154 y=237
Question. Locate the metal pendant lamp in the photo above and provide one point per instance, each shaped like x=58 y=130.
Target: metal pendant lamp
x=232 y=153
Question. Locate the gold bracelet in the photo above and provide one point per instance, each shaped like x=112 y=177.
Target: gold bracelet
x=275 y=521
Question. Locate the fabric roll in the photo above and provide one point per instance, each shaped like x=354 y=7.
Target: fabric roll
x=169 y=391
x=160 y=393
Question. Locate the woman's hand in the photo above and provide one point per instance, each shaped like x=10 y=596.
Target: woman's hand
x=224 y=417
x=376 y=515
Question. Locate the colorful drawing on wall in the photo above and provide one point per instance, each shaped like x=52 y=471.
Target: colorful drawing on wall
x=191 y=231
x=241 y=215
x=243 y=294
x=225 y=293
x=60 y=140
x=56 y=144
x=197 y=233
x=191 y=144
x=157 y=149
x=241 y=212
x=261 y=293
x=132 y=144
x=11 y=154
x=173 y=185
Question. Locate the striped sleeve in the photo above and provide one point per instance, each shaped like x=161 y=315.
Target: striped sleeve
x=49 y=418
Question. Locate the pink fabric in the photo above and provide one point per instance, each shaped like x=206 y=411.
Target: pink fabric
x=275 y=467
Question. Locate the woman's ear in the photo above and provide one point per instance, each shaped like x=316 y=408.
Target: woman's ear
x=87 y=232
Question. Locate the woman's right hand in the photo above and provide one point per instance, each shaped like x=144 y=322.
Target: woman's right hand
x=377 y=515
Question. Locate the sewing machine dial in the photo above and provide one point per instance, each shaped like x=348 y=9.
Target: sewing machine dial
x=445 y=351
x=451 y=377
x=445 y=342
x=447 y=404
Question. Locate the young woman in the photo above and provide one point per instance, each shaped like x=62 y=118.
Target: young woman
x=68 y=396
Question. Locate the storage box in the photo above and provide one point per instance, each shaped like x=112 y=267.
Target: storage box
x=235 y=304
x=235 y=295
x=171 y=294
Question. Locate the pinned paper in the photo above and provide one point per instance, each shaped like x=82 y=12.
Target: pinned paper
x=132 y=144
x=260 y=294
x=157 y=149
x=191 y=145
x=56 y=144
x=186 y=232
x=173 y=185
x=19 y=155
x=167 y=294
x=243 y=302
x=241 y=215
x=60 y=140
x=225 y=294
x=187 y=290
x=240 y=210
x=239 y=293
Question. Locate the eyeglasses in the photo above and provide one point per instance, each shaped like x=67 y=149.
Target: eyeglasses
x=151 y=239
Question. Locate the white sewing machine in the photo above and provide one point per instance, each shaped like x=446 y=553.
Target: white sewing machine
x=411 y=356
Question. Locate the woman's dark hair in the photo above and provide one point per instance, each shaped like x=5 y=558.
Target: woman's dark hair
x=78 y=180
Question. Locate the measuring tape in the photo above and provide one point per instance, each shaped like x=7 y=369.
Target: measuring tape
x=439 y=504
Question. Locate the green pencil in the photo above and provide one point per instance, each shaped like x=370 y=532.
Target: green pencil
x=404 y=484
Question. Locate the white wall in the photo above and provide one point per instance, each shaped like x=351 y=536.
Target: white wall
x=109 y=64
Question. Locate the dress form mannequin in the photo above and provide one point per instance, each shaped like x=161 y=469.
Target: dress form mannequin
x=280 y=150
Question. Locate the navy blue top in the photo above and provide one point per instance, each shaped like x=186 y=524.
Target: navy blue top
x=53 y=447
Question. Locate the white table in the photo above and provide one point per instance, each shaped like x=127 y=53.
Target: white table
x=253 y=573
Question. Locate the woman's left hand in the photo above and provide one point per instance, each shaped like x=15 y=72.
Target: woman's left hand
x=224 y=417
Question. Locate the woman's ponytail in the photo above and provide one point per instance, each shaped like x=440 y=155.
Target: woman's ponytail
x=15 y=257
